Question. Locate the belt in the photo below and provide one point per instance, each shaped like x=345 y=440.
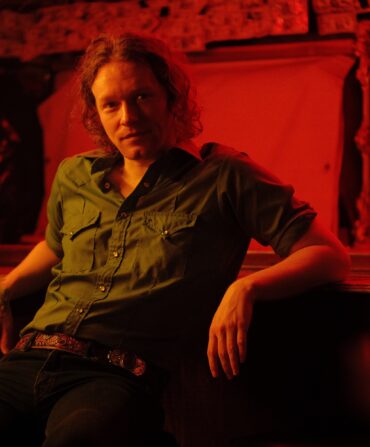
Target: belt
x=62 y=342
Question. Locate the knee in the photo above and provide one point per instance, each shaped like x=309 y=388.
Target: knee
x=84 y=427
x=93 y=428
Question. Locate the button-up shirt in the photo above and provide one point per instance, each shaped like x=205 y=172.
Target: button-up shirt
x=148 y=271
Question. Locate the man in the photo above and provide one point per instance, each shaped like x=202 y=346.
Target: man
x=145 y=240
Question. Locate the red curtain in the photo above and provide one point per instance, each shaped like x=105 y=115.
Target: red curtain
x=286 y=113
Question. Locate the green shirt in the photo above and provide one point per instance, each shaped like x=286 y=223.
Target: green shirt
x=147 y=272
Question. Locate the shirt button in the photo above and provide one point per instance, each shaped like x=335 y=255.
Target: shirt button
x=146 y=184
x=164 y=233
x=102 y=288
x=115 y=254
x=106 y=185
x=124 y=215
x=81 y=311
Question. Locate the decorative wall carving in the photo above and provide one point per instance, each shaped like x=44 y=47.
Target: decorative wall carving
x=336 y=16
x=187 y=24
x=363 y=135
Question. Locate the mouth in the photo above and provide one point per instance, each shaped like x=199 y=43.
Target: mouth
x=134 y=135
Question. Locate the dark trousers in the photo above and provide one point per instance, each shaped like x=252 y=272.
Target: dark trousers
x=52 y=398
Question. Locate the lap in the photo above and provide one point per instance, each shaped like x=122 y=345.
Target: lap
x=102 y=412
x=76 y=400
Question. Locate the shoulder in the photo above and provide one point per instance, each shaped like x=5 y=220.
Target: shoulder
x=82 y=158
x=77 y=168
x=234 y=162
x=218 y=151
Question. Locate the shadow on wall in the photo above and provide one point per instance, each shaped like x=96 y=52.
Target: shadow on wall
x=21 y=161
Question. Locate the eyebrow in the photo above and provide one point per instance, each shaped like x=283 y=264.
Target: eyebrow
x=111 y=96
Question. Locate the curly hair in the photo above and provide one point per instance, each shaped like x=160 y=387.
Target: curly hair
x=167 y=70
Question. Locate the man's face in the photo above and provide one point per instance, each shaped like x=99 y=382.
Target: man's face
x=133 y=109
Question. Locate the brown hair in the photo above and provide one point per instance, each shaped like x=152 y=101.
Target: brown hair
x=168 y=71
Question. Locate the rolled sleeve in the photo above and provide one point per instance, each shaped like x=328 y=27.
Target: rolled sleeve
x=265 y=208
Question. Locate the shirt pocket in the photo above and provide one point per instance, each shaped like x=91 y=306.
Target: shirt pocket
x=166 y=245
x=78 y=241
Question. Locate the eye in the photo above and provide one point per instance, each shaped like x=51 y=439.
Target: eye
x=110 y=105
x=144 y=96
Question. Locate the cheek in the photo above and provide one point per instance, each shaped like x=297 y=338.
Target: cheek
x=158 y=119
x=169 y=123
x=164 y=117
x=163 y=125
x=107 y=124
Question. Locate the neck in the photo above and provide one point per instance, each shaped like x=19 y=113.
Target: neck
x=128 y=176
x=135 y=169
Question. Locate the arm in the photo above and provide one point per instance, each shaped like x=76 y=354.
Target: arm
x=317 y=258
x=33 y=273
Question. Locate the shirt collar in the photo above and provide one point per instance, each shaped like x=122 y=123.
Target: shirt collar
x=190 y=147
x=102 y=160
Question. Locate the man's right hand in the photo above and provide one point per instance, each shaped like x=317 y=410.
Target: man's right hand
x=32 y=274
x=6 y=321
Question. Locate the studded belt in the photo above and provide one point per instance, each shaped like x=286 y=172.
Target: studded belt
x=62 y=342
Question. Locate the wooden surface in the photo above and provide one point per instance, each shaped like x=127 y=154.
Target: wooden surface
x=358 y=280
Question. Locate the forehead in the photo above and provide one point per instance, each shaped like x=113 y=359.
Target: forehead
x=120 y=76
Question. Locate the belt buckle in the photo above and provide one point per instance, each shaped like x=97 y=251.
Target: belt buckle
x=127 y=360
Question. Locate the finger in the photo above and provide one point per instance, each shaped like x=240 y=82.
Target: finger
x=223 y=354
x=212 y=356
x=3 y=342
x=232 y=350
x=2 y=328
x=241 y=340
x=7 y=332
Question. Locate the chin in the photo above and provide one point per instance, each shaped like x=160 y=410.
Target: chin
x=135 y=153
x=140 y=152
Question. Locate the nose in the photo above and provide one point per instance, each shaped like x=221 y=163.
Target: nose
x=129 y=114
